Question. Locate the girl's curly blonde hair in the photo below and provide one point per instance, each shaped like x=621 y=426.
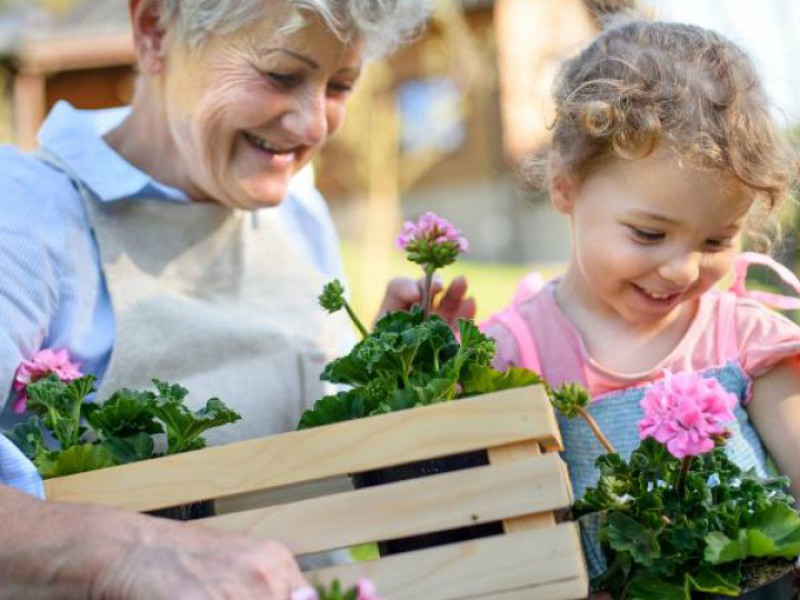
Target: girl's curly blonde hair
x=642 y=85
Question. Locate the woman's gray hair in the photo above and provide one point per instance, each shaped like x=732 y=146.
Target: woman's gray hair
x=382 y=23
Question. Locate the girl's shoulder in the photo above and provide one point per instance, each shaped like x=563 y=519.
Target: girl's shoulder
x=759 y=336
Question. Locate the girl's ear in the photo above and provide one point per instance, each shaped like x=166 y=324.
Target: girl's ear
x=562 y=193
x=148 y=35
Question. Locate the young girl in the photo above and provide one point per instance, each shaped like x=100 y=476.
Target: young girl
x=663 y=151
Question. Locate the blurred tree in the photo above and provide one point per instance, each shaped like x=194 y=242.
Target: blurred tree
x=53 y=6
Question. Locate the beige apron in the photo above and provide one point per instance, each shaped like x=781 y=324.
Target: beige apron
x=217 y=300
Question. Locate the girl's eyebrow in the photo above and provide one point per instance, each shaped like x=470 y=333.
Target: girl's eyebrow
x=652 y=216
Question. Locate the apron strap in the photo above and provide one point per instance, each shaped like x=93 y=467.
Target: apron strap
x=779 y=301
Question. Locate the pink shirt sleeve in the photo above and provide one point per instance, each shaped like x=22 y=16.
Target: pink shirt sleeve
x=765 y=338
x=507 y=354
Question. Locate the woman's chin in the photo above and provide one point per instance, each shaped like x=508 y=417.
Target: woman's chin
x=255 y=195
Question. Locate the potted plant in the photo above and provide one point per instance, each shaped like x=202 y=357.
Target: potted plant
x=678 y=519
x=412 y=359
x=66 y=434
x=363 y=590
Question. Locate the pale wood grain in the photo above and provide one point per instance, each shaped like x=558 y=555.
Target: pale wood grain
x=549 y=559
x=439 y=430
x=514 y=452
x=432 y=503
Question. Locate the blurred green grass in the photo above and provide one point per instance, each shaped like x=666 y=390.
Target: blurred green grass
x=491 y=284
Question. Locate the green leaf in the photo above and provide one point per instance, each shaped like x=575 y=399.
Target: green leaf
x=125 y=414
x=342 y=406
x=130 y=449
x=183 y=426
x=773 y=532
x=28 y=437
x=569 y=398
x=76 y=459
x=484 y=380
x=60 y=405
x=724 y=581
x=625 y=534
x=647 y=587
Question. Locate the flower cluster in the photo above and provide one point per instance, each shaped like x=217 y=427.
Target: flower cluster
x=431 y=241
x=686 y=412
x=43 y=363
x=678 y=518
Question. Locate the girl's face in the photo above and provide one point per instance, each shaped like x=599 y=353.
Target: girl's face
x=247 y=110
x=648 y=237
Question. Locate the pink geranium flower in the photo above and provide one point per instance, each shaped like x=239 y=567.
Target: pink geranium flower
x=366 y=590
x=687 y=412
x=42 y=364
x=432 y=229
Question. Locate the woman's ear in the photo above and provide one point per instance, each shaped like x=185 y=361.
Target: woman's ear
x=562 y=193
x=148 y=35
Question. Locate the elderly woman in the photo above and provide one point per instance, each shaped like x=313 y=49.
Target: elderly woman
x=137 y=242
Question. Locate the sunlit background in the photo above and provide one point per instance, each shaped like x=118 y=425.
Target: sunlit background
x=442 y=126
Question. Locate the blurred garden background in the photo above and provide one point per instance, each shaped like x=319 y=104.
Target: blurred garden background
x=444 y=125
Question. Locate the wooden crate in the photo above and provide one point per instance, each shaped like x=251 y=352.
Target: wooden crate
x=278 y=487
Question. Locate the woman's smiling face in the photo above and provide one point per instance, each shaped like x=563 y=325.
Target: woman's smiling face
x=245 y=111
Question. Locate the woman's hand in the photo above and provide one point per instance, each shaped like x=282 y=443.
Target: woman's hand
x=403 y=292
x=80 y=551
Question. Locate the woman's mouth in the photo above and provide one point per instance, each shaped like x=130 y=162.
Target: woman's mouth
x=278 y=156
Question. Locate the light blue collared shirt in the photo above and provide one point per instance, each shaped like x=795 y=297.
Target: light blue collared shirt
x=52 y=290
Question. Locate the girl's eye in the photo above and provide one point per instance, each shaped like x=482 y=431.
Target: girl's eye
x=717 y=244
x=647 y=236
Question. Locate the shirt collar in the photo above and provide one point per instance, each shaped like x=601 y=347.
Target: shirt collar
x=75 y=136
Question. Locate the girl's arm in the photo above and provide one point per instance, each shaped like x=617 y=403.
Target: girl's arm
x=775 y=412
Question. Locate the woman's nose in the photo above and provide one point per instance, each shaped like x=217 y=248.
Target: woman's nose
x=682 y=269
x=307 y=120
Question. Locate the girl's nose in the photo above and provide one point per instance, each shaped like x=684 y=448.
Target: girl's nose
x=682 y=269
x=307 y=120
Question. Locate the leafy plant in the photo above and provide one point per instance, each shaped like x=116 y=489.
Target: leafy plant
x=363 y=590
x=679 y=517
x=66 y=434
x=411 y=358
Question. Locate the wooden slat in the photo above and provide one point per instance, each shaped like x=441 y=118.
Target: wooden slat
x=514 y=452
x=439 y=430
x=432 y=503
x=559 y=590
x=537 y=557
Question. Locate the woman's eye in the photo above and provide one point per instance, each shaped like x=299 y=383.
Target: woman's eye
x=283 y=79
x=340 y=88
x=647 y=235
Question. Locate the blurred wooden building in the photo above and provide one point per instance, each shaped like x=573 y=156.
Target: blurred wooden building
x=84 y=55
x=442 y=125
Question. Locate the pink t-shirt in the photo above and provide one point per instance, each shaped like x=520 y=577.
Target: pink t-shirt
x=536 y=334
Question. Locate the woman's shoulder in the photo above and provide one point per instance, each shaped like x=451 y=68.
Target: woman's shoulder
x=33 y=190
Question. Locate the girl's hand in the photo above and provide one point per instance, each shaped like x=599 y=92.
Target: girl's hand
x=403 y=292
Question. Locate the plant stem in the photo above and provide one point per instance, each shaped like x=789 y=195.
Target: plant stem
x=596 y=430
x=687 y=461
x=355 y=320
x=426 y=291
